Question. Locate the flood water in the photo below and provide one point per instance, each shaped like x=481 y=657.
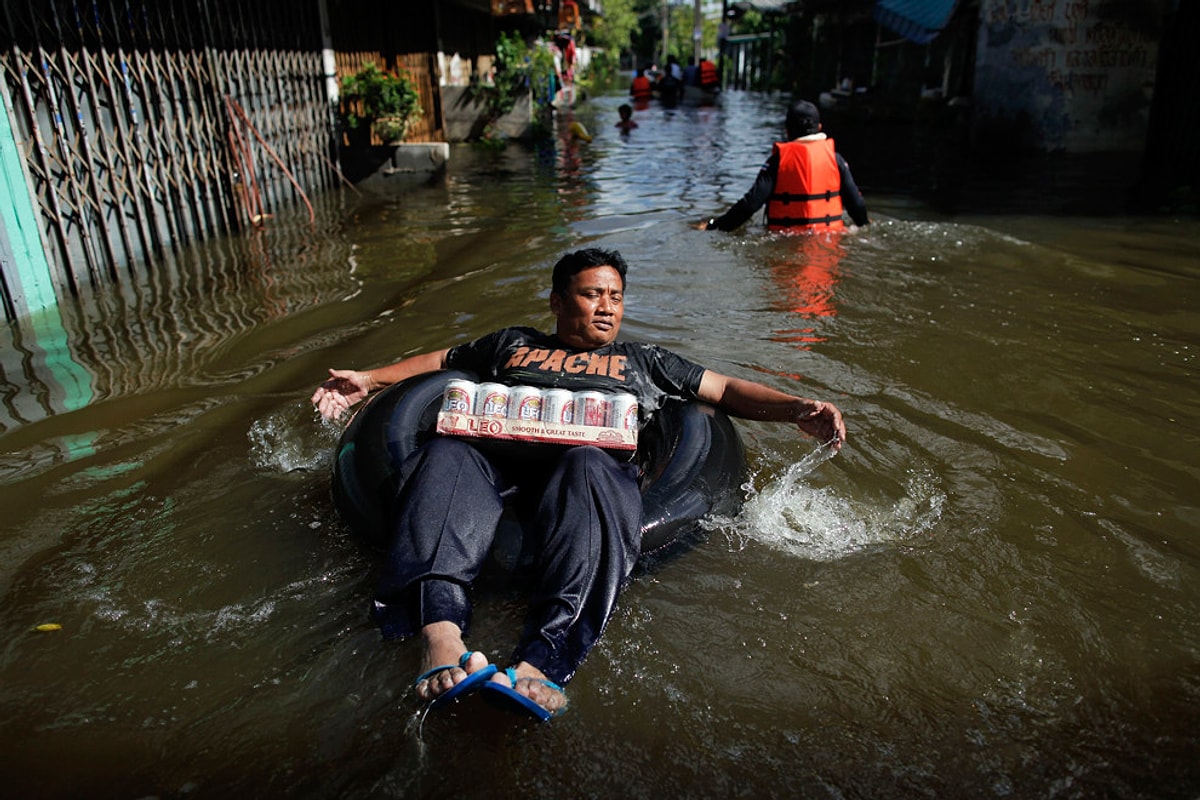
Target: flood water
x=992 y=591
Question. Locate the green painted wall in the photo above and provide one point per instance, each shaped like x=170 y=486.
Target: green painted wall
x=24 y=266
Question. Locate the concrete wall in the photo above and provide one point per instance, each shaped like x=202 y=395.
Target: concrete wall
x=1066 y=75
x=465 y=118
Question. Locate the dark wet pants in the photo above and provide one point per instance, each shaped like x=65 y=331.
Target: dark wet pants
x=586 y=535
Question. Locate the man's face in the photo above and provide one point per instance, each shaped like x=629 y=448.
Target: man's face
x=590 y=311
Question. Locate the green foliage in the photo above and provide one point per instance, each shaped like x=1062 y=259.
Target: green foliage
x=518 y=68
x=604 y=67
x=371 y=95
x=616 y=27
x=680 y=23
x=753 y=21
x=491 y=140
x=542 y=80
x=679 y=33
x=509 y=78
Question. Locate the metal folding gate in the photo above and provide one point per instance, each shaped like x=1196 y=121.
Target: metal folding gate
x=142 y=127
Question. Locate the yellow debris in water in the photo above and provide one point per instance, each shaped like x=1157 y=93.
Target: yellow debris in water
x=48 y=626
x=579 y=131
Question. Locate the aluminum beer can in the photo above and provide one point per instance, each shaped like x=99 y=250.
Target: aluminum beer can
x=558 y=407
x=525 y=403
x=492 y=400
x=459 y=396
x=591 y=408
x=623 y=412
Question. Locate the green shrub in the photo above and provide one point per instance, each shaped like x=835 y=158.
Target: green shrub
x=373 y=97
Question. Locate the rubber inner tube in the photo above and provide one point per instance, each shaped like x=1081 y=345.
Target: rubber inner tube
x=691 y=456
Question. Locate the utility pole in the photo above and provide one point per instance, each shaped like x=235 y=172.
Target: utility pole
x=666 y=37
x=697 y=30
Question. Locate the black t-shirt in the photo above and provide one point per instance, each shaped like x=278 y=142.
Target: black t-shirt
x=525 y=356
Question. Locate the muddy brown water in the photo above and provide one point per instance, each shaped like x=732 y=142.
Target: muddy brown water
x=991 y=592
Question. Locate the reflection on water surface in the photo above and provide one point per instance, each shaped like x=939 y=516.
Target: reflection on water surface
x=991 y=591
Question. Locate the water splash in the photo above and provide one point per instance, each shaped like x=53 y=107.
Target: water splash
x=822 y=525
x=291 y=440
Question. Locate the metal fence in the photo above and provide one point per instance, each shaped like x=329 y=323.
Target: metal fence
x=746 y=61
x=143 y=127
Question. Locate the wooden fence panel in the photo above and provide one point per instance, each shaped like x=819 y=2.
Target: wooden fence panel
x=421 y=69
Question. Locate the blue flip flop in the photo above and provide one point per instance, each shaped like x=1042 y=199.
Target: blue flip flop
x=509 y=698
x=469 y=684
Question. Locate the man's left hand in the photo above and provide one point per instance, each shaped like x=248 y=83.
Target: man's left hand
x=824 y=423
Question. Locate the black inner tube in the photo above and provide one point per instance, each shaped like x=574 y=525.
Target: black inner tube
x=691 y=456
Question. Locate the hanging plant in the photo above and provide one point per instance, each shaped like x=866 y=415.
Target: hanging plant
x=373 y=99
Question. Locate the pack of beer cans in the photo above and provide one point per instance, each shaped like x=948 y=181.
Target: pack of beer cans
x=527 y=413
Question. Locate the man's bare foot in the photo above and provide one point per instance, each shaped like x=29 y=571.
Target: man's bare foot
x=444 y=653
x=531 y=682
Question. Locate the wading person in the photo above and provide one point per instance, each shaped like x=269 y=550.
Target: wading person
x=587 y=507
x=805 y=183
x=625 y=124
x=641 y=88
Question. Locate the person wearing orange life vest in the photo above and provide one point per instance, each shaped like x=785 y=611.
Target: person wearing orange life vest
x=641 y=88
x=708 y=75
x=805 y=183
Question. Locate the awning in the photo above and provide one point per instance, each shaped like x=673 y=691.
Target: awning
x=761 y=5
x=919 y=21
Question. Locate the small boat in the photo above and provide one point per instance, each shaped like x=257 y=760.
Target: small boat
x=699 y=96
x=692 y=461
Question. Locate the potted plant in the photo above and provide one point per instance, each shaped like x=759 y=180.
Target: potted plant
x=379 y=101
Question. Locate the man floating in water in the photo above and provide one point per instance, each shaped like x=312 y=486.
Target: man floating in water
x=586 y=504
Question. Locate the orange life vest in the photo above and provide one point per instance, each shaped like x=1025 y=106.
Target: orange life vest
x=641 y=88
x=708 y=73
x=807 y=187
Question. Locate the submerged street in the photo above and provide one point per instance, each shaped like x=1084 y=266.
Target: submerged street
x=991 y=591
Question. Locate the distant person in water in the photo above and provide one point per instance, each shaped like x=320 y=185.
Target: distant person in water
x=641 y=88
x=805 y=183
x=670 y=83
x=626 y=123
x=710 y=78
x=587 y=534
